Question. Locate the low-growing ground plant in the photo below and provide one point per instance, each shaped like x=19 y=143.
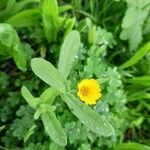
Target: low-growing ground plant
x=93 y=57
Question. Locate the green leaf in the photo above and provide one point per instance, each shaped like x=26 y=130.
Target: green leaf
x=2 y=127
x=131 y=146
x=8 y=35
x=92 y=35
x=68 y=51
x=49 y=74
x=10 y=46
x=49 y=95
x=26 y=18
x=142 y=80
x=50 y=28
x=21 y=4
x=69 y=25
x=42 y=109
x=29 y=133
x=19 y=57
x=64 y=8
x=49 y=15
x=33 y=102
x=138 y=55
x=133 y=22
x=52 y=5
x=54 y=128
x=5 y=13
x=88 y=117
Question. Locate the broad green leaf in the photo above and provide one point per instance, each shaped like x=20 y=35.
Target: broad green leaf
x=49 y=14
x=68 y=51
x=5 y=13
x=19 y=57
x=33 y=102
x=29 y=133
x=131 y=146
x=88 y=117
x=54 y=128
x=138 y=55
x=133 y=22
x=26 y=18
x=10 y=46
x=49 y=74
x=49 y=95
x=5 y=51
x=52 y=6
x=142 y=80
x=21 y=4
x=8 y=35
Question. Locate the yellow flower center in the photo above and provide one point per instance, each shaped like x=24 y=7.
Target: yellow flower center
x=89 y=91
x=84 y=91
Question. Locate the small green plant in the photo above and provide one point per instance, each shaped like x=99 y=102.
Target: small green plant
x=133 y=22
x=10 y=46
x=57 y=79
x=113 y=58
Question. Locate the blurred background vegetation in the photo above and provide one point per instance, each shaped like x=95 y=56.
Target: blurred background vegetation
x=115 y=49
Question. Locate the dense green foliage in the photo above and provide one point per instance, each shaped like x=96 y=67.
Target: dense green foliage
x=108 y=40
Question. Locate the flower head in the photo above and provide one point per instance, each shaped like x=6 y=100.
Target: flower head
x=89 y=91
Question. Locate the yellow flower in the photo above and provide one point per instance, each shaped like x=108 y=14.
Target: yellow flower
x=89 y=91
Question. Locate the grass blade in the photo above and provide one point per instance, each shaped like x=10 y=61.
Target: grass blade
x=141 y=53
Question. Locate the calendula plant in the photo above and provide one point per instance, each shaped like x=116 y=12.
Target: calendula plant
x=88 y=90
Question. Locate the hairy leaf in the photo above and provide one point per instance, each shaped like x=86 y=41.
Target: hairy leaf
x=54 y=128
x=49 y=74
x=88 y=117
x=48 y=95
x=29 y=98
x=68 y=51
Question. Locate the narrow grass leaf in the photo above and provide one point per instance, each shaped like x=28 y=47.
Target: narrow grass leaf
x=131 y=146
x=142 y=80
x=138 y=55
